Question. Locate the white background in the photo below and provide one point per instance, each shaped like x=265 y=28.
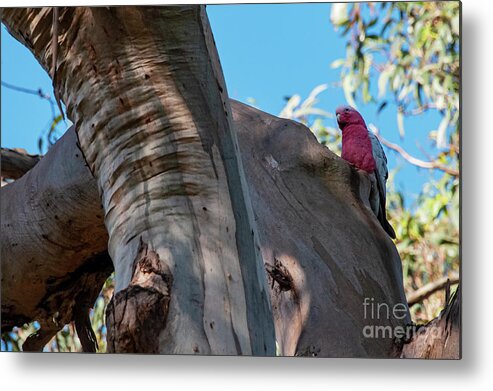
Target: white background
x=474 y=371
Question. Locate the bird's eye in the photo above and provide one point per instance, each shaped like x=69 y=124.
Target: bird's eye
x=346 y=110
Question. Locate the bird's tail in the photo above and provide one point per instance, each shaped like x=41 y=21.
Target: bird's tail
x=382 y=214
x=385 y=224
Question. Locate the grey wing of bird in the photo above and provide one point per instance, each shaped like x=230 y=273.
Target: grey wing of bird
x=381 y=173
x=381 y=162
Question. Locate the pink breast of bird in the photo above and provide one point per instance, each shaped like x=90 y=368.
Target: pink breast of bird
x=357 y=149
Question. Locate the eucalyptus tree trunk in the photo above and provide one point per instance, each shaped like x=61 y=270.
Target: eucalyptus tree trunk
x=144 y=88
x=145 y=91
x=324 y=251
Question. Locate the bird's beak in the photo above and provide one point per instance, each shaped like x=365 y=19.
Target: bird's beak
x=337 y=116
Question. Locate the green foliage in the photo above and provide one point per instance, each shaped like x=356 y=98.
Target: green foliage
x=51 y=134
x=427 y=238
x=427 y=231
x=410 y=50
x=405 y=56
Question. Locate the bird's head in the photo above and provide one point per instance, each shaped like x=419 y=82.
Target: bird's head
x=346 y=115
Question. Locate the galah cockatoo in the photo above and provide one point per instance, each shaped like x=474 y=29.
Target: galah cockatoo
x=362 y=149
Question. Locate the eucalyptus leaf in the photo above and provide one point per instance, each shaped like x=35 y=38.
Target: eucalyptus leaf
x=348 y=91
x=339 y=13
x=383 y=79
x=442 y=131
x=337 y=63
x=400 y=123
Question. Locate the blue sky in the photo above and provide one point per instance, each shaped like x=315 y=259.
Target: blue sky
x=267 y=51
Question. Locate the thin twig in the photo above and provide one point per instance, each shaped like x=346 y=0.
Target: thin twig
x=420 y=110
x=37 y=92
x=417 y=162
x=427 y=290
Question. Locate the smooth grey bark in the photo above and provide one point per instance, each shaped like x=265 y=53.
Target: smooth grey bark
x=52 y=241
x=144 y=87
x=324 y=250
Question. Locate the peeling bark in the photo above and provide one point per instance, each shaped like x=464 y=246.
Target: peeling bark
x=137 y=314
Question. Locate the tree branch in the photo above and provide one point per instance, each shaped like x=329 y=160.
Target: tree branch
x=440 y=338
x=51 y=228
x=291 y=178
x=39 y=92
x=417 y=162
x=428 y=289
x=16 y=162
x=30 y=91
